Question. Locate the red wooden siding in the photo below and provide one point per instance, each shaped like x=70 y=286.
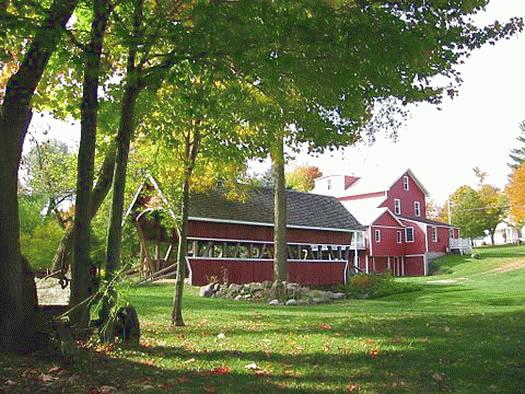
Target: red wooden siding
x=418 y=246
x=235 y=231
x=388 y=245
x=243 y=271
x=407 y=198
x=414 y=266
x=378 y=264
x=442 y=242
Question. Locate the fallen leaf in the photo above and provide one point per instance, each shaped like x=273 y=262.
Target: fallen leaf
x=10 y=382
x=373 y=353
x=221 y=336
x=191 y=360
x=220 y=371
x=45 y=378
x=352 y=387
x=55 y=370
x=325 y=326
x=107 y=389
x=210 y=389
x=251 y=366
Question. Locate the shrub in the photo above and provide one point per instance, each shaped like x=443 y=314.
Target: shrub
x=375 y=286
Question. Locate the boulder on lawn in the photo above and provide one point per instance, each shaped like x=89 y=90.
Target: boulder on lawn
x=291 y=302
x=207 y=290
x=336 y=296
x=274 y=302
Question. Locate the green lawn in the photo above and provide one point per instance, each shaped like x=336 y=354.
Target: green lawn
x=463 y=333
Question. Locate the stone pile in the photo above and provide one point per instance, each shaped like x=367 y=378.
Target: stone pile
x=293 y=293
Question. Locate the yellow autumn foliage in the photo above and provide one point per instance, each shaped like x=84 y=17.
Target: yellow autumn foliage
x=516 y=194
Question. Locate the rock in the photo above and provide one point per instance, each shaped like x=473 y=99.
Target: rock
x=267 y=284
x=317 y=300
x=234 y=287
x=239 y=297
x=321 y=296
x=336 y=296
x=291 y=302
x=206 y=291
x=274 y=302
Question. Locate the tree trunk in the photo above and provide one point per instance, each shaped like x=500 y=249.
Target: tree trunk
x=176 y=313
x=125 y=133
x=192 y=149
x=62 y=257
x=492 y=236
x=280 y=267
x=80 y=269
x=15 y=116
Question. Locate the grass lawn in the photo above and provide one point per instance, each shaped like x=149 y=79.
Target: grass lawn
x=464 y=332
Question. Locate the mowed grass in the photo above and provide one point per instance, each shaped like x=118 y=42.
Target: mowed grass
x=463 y=332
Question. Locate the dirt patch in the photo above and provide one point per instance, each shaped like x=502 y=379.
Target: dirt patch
x=510 y=266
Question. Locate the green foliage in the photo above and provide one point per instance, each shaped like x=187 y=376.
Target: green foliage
x=517 y=155
x=376 y=286
x=49 y=169
x=467 y=212
x=39 y=244
x=475 y=256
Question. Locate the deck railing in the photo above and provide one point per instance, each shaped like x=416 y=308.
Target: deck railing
x=461 y=244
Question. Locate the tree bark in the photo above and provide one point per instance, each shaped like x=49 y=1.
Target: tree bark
x=280 y=267
x=15 y=116
x=80 y=269
x=62 y=257
x=125 y=133
x=192 y=149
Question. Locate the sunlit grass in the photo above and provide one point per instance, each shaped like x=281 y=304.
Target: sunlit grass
x=464 y=333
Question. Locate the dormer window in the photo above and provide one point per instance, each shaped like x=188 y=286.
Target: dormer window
x=397 y=206
x=406 y=184
x=417 y=208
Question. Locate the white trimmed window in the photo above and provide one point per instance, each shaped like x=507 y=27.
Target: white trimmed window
x=397 y=206
x=417 y=208
x=399 y=237
x=434 y=234
x=451 y=233
x=377 y=235
x=409 y=234
x=406 y=183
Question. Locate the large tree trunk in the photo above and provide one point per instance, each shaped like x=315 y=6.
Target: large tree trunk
x=15 y=116
x=280 y=267
x=192 y=149
x=80 y=270
x=125 y=133
x=62 y=257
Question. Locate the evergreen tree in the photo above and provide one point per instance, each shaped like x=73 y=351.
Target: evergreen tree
x=517 y=155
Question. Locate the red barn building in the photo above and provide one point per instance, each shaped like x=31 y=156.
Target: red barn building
x=399 y=236
x=232 y=240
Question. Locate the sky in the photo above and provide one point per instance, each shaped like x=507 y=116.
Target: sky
x=477 y=128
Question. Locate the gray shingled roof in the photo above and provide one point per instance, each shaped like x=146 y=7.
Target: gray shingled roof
x=304 y=209
x=425 y=221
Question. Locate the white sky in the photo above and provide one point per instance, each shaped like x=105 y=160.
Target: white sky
x=477 y=128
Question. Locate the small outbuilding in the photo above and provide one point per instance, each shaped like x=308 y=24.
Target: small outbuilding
x=231 y=240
